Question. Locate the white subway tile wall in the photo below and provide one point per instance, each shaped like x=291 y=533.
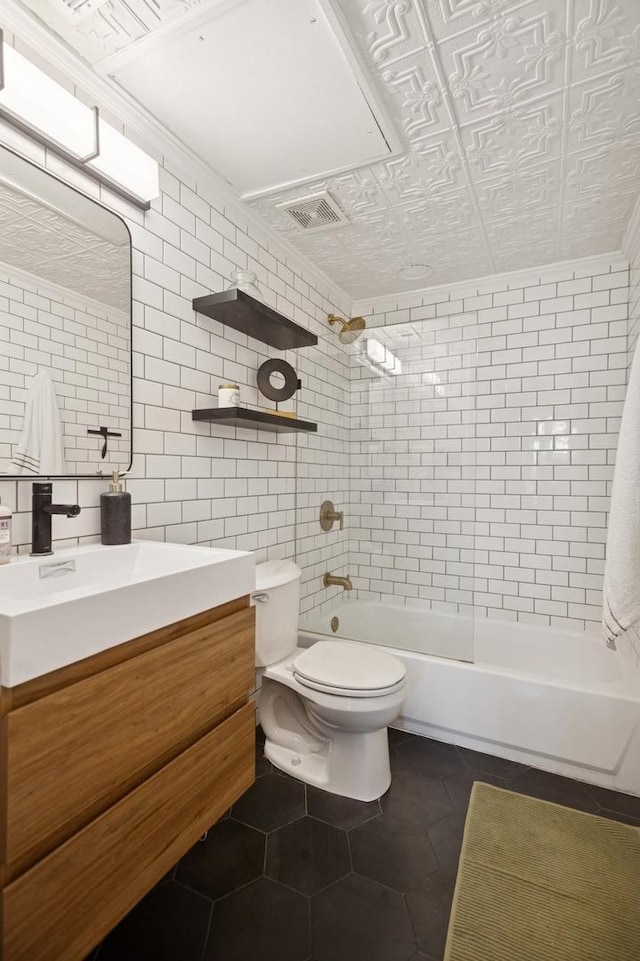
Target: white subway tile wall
x=482 y=474
x=479 y=481
x=323 y=469
x=85 y=346
x=192 y=482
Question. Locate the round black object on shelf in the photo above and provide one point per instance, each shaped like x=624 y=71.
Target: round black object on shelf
x=265 y=386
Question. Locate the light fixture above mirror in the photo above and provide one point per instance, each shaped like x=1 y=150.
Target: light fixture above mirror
x=32 y=101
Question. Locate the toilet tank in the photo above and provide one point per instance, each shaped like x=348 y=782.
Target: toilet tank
x=277 y=603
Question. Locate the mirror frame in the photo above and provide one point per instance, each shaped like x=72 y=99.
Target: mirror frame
x=104 y=474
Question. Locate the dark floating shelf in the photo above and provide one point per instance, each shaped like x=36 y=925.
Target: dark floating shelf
x=253 y=419
x=236 y=309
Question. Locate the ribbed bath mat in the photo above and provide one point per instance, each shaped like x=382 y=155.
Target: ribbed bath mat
x=541 y=882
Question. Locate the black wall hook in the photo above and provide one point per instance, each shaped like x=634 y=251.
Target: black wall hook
x=106 y=433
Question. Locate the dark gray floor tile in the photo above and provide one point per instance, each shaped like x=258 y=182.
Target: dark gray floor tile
x=169 y=924
x=395 y=853
x=622 y=818
x=429 y=905
x=342 y=812
x=553 y=787
x=359 y=919
x=307 y=855
x=433 y=759
x=264 y=921
x=459 y=787
x=263 y=764
x=271 y=802
x=356 y=917
x=446 y=839
x=396 y=736
x=232 y=855
x=415 y=798
x=615 y=800
x=488 y=764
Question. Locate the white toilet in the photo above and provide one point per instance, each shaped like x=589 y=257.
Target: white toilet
x=324 y=709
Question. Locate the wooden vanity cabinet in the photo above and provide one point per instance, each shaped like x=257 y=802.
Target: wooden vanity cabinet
x=111 y=769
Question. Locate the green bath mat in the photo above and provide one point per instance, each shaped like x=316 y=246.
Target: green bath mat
x=540 y=882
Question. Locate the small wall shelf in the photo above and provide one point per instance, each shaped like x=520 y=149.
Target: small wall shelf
x=253 y=419
x=234 y=308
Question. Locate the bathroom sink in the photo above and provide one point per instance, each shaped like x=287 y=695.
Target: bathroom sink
x=59 y=609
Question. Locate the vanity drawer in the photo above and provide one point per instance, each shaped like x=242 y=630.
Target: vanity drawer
x=80 y=749
x=61 y=908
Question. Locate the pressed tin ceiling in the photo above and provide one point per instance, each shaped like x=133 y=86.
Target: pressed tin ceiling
x=518 y=120
x=57 y=249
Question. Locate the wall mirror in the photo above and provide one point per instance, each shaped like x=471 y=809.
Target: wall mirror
x=65 y=328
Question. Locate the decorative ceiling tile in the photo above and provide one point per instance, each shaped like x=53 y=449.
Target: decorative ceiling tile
x=45 y=243
x=520 y=136
x=604 y=172
x=434 y=214
x=111 y=26
x=603 y=37
x=512 y=58
x=598 y=214
x=452 y=17
x=525 y=114
x=518 y=123
x=521 y=232
x=602 y=110
x=393 y=30
x=520 y=190
x=415 y=100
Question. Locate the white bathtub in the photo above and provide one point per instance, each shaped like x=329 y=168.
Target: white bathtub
x=558 y=701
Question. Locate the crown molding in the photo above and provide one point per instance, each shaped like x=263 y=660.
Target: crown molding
x=526 y=277
x=152 y=136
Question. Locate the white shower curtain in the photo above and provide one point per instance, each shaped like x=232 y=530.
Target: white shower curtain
x=621 y=602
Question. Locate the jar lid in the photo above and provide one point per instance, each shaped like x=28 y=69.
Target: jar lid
x=228 y=387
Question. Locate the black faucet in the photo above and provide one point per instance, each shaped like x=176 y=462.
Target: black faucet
x=41 y=511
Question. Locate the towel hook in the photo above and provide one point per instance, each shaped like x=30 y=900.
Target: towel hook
x=106 y=433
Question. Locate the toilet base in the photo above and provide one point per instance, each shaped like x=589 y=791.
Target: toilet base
x=352 y=764
x=354 y=770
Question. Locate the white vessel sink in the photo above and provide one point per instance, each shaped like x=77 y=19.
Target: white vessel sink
x=59 y=609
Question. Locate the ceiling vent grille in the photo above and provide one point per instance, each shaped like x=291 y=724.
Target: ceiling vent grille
x=315 y=211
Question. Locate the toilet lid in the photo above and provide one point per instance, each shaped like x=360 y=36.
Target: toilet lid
x=350 y=669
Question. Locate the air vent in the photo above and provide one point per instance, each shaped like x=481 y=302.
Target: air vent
x=78 y=9
x=315 y=212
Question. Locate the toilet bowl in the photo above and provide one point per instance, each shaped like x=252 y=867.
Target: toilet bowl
x=324 y=709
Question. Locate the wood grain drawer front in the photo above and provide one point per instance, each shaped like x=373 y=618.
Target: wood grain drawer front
x=61 y=908
x=75 y=752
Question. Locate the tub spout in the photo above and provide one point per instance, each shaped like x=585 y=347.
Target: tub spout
x=331 y=580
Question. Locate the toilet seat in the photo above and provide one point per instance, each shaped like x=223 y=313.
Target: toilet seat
x=348 y=670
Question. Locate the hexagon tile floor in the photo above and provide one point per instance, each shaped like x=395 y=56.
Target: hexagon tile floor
x=292 y=873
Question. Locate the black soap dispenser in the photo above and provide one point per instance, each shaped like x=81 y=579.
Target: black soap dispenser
x=115 y=514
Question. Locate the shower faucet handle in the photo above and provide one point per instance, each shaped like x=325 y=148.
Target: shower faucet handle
x=329 y=515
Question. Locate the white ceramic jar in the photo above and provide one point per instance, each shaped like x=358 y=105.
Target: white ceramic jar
x=228 y=395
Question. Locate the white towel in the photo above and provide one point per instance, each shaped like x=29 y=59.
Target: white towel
x=621 y=602
x=40 y=449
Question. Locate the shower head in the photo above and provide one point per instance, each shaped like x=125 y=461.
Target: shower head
x=350 y=330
